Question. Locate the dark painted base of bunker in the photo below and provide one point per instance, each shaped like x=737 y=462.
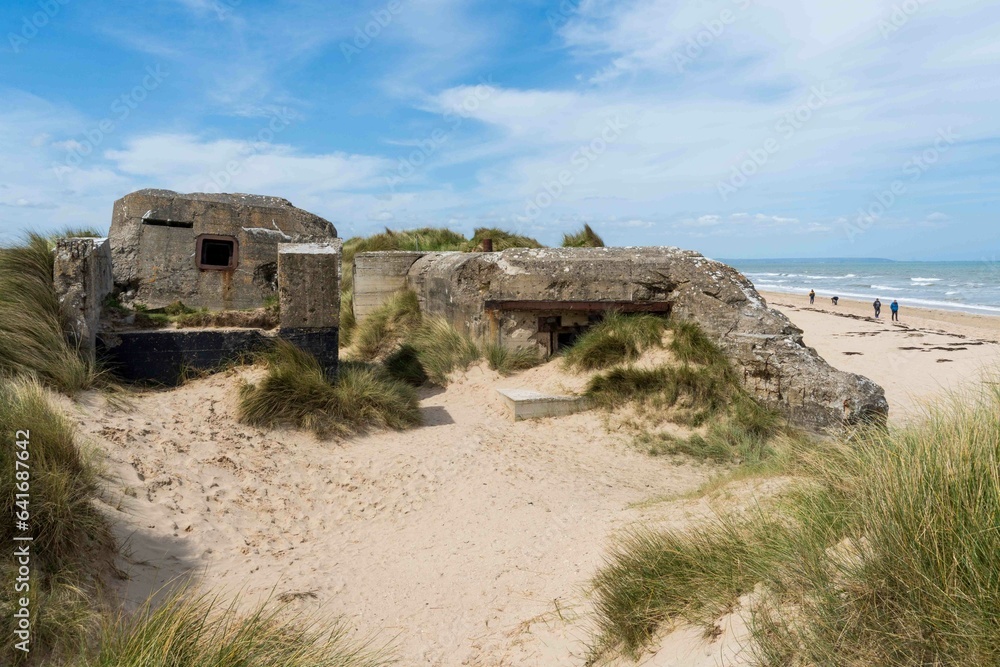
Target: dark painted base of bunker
x=321 y=343
x=166 y=356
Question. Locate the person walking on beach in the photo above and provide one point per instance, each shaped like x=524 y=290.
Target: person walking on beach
x=878 y=307
x=835 y=300
x=812 y=297
x=894 y=307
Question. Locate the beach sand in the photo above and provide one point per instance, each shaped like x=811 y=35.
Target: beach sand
x=925 y=355
x=471 y=540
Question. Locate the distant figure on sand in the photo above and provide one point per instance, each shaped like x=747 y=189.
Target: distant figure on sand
x=835 y=300
x=878 y=307
x=812 y=297
x=894 y=307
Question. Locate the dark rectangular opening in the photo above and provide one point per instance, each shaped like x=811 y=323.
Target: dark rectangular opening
x=168 y=223
x=567 y=338
x=661 y=307
x=219 y=253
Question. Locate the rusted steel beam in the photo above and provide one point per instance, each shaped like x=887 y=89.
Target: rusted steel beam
x=588 y=306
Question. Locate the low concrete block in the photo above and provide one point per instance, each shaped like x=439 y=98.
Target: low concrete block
x=309 y=285
x=529 y=404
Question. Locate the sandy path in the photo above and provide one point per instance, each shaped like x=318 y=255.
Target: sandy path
x=469 y=541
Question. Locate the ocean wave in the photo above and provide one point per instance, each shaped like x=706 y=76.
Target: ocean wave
x=849 y=275
x=886 y=288
x=925 y=280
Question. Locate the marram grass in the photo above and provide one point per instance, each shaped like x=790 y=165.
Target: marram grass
x=191 y=630
x=887 y=552
x=585 y=238
x=72 y=545
x=33 y=336
x=296 y=392
x=616 y=339
x=441 y=349
x=392 y=322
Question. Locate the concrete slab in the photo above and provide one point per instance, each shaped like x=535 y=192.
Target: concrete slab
x=530 y=404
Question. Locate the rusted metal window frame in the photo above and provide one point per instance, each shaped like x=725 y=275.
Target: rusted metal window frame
x=663 y=307
x=234 y=259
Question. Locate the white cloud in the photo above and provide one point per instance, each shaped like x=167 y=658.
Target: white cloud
x=187 y=163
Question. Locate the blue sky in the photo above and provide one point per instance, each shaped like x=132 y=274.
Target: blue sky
x=740 y=128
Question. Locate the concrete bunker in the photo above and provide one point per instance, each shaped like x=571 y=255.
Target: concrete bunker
x=217 y=255
x=544 y=297
x=216 y=251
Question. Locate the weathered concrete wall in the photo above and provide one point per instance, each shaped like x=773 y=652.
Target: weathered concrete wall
x=154 y=236
x=379 y=275
x=764 y=345
x=82 y=280
x=309 y=291
x=309 y=284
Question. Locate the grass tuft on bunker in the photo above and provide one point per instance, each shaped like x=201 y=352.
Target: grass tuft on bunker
x=585 y=238
x=295 y=391
x=884 y=552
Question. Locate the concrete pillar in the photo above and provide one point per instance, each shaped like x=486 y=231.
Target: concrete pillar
x=379 y=275
x=309 y=296
x=82 y=278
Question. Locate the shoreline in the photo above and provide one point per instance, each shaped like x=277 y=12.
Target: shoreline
x=922 y=304
x=984 y=324
x=920 y=361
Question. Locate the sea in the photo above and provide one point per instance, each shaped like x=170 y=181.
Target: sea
x=966 y=286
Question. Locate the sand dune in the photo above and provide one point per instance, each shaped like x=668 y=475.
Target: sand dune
x=469 y=541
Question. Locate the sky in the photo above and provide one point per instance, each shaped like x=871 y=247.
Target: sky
x=739 y=128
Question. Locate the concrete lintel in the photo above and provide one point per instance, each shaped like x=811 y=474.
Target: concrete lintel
x=333 y=247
